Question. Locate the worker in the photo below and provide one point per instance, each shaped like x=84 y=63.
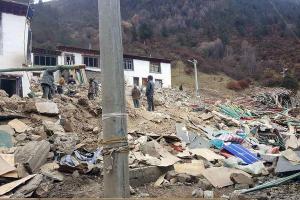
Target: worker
x=181 y=87
x=92 y=89
x=47 y=84
x=60 y=87
x=136 y=95
x=71 y=80
x=150 y=93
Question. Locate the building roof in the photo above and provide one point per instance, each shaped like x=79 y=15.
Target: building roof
x=16 y=8
x=97 y=52
x=46 y=51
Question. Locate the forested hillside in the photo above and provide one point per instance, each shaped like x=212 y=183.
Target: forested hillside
x=244 y=39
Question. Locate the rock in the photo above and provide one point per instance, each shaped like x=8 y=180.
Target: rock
x=184 y=178
x=67 y=125
x=36 y=137
x=65 y=142
x=96 y=130
x=51 y=128
x=132 y=190
x=88 y=128
x=75 y=174
x=170 y=175
x=205 y=184
x=241 y=186
x=43 y=189
x=83 y=101
x=29 y=107
x=241 y=179
x=40 y=130
x=237 y=196
x=3 y=93
x=18 y=126
x=143 y=195
x=198 y=193
x=50 y=156
x=47 y=108
x=33 y=155
x=27 y=189
x=21 y=137
x=173 y=181
x=208 y=194
x=50 y=170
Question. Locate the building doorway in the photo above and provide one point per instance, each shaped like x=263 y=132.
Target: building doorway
x=136 y=81
x=12 y=86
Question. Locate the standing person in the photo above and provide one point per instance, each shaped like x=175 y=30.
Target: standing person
x=136 y=95
x=47 y=84
x=150 y=93
x=92 y=89
x=71 y=80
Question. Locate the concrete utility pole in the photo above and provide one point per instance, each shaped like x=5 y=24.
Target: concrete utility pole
x=195 y=62
x=116 y=178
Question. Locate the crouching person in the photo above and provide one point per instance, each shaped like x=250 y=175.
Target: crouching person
x=136 y=95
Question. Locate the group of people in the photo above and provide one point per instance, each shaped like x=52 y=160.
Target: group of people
x=49 y=88
x=136 y=94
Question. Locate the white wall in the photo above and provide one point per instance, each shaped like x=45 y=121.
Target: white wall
x=15 y=37
x=13 y=29
x=142 y=70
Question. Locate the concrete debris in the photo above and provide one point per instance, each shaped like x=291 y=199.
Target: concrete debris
x=47 y=108
x=19 y=126
x=27 y=190
x=33 y=155
x=208 y=194
x=52 y=128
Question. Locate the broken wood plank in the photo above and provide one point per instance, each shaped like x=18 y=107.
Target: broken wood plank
x=10 y=186
x=195 y=168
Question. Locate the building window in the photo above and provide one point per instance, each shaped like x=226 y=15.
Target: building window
x=128 y=64
x=155 y=67
x=136 y=81
x=43 y=60
x=158 y=83
x=69 y=59
x=91 y=61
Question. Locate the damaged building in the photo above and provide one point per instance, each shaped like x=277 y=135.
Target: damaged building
x=15 y=43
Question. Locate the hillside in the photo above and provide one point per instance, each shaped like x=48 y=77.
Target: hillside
x=238 y=37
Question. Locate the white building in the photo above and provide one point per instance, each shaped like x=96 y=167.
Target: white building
x=15 y=42
x=136 y=68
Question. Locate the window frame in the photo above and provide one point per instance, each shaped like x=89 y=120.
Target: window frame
x=43 y=58
x=93 y=60
x=125 y=62
x=155 y=67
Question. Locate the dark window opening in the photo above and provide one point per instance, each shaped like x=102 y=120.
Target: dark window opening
x=91 y=61
x=128 y=64
x=43 y=60
x=12 y=86
x=155 y=67
x=136 y=81
x=158 y=83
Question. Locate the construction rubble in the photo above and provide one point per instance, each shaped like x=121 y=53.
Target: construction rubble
x=219 y=147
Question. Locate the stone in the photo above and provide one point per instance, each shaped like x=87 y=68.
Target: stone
x=51 y=128
x=27 y=189
x=33 y=155
x=66 y=124
x=21 y=137
x=83 y=101
x=170 y=174
x=143 y=195
x=205 y=184
x=47 y=108
x=65 y=142
x=29 y=107
x=184 y=178
x=96 y=130
x=237 y=196
x=43 y=189
x=18 y=126
x=241 y=179
x=132 y=190
x=241 y=186
x=75 y=174
x=198 y=193
x=142 y=175
x=208 y=194
x=173 y=181
x=36 y=137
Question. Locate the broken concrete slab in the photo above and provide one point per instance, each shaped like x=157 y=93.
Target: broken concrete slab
x=50 y=170
x=26 y=190
x=239 y=178
x=33 y=155
x=51 y=128
x=285 y=166
x=12 y=185
x=19 y=126
x=5 y=167
x=65 y=142
x=219 y=177
x=47 y=108
x=207 y=154
x=195 y=168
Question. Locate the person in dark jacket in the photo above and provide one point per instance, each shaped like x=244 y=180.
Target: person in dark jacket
x=136 y=95
x=47 y=84
x=150 y=93
x=71 y=80
x=92 y=89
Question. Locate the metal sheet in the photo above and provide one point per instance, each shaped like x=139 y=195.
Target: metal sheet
x=242 y=153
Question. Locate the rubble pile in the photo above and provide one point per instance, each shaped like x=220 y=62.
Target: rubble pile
x=186 y=141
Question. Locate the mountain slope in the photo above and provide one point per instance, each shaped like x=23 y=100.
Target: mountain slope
x=254 y=36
